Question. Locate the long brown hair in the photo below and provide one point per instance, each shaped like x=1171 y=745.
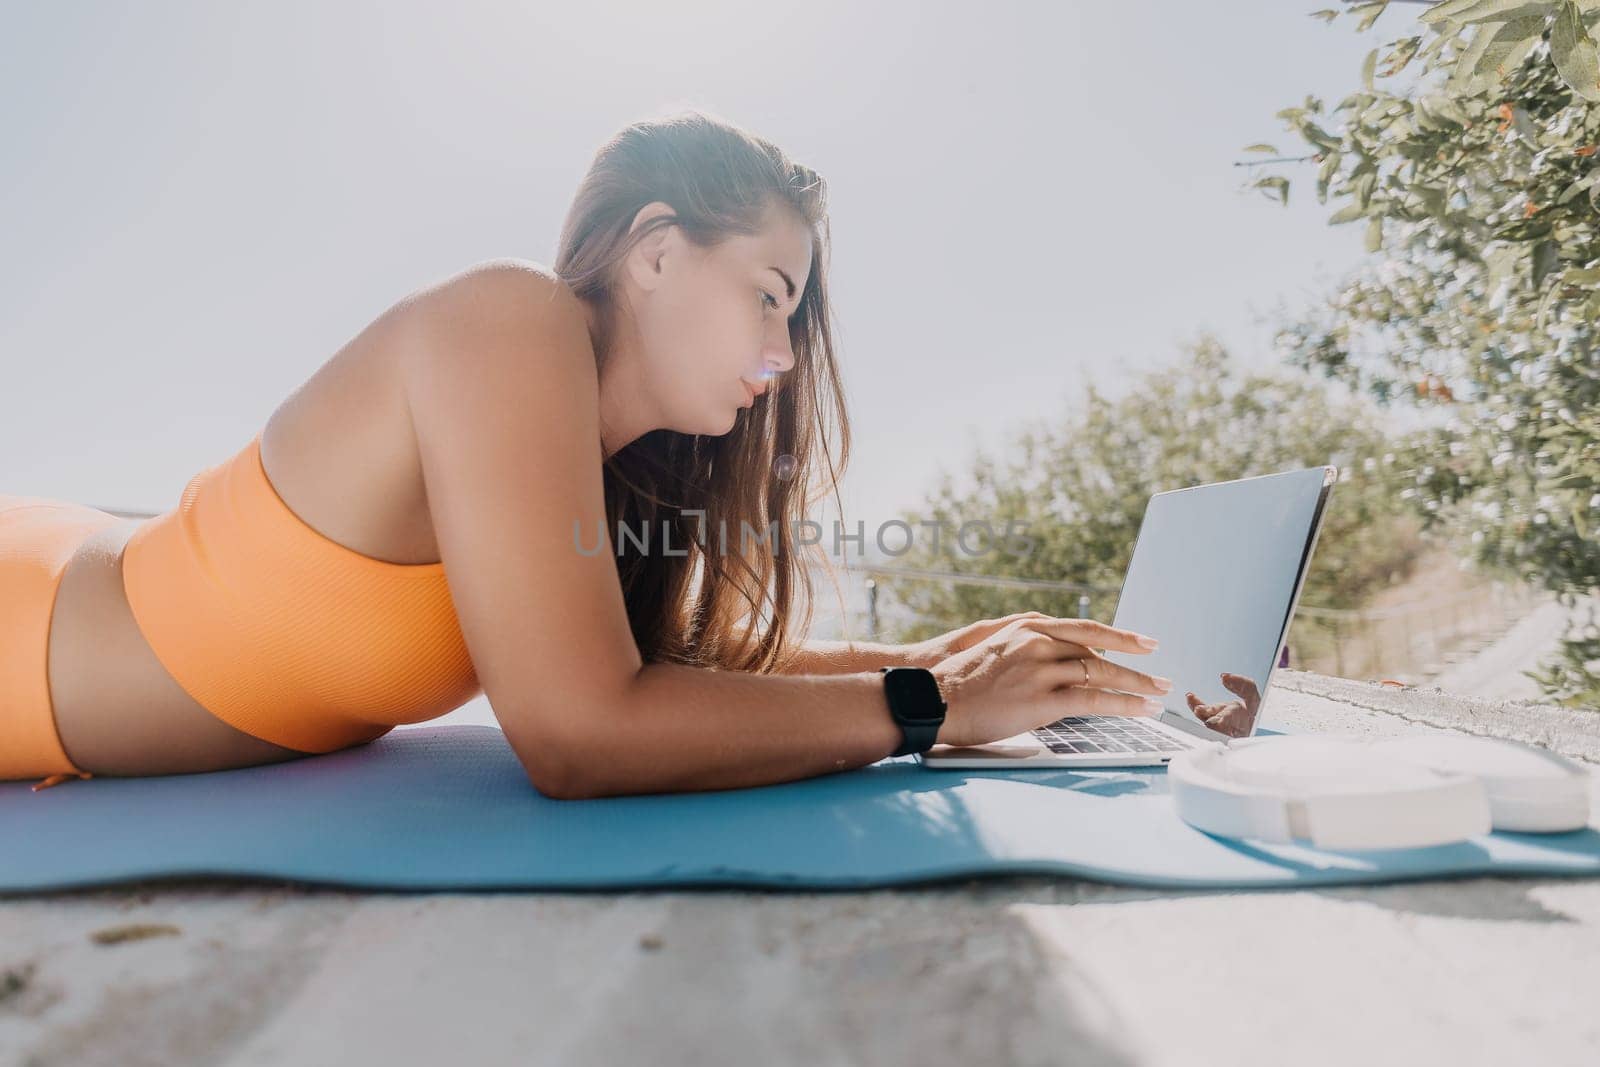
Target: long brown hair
x=720 y=181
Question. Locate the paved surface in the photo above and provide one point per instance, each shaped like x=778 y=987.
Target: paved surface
x=1496 y=670
x=1006 y=971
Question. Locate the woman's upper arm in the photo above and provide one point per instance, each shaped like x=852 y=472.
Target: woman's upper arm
x=504 y=396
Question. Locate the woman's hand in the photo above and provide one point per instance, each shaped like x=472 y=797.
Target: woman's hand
x=1028 y=670
x=932 y=650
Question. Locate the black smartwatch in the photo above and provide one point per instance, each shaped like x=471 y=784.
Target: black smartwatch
x=915 y=704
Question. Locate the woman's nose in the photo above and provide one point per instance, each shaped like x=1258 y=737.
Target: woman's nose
x=778 y=358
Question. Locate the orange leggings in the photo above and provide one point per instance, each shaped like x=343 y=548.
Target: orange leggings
x=37 y=539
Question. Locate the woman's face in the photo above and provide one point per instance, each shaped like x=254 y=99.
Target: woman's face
x=713 y=324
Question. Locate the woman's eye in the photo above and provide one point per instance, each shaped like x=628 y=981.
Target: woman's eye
x=765 y=296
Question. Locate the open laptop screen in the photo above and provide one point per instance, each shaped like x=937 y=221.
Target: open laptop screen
x=1214 y=576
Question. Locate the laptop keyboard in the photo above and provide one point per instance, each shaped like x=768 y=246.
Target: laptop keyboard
x=1105 y=733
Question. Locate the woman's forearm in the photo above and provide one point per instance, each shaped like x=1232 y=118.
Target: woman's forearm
x=849 y=657
x=684 y=729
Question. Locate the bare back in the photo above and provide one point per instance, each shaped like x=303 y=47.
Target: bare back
x=341 y=452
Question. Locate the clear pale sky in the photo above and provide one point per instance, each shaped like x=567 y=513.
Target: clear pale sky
x=199 y=203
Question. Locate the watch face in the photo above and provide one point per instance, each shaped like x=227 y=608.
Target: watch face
x=914 y=693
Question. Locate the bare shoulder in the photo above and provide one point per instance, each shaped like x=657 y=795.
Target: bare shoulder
x=496 y=295
x=503 y=338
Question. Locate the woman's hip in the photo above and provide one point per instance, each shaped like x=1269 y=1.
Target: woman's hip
x=38 y=538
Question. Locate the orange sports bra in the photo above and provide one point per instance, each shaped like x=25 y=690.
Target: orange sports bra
x=282 y=632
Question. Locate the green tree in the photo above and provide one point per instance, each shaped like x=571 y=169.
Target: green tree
x=1477 y=185
x=1078 y=486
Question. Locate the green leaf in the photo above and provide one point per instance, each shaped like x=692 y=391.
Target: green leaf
x=1450 y=10
x=1464 y=11
x=1319 y=137
x=1440 y=38
x=1260 y=148
x=1437 y=111
x=1508 y=47
x=1445 y=107
x=1573 y=50
x=1362 y=188
x=1368 y=65
x=1348 y=213
x=1504 y=10
x=1433 y=198
x=1467 y=63
x=1277 y=182
x=1529 y=229
x=1404 y=52
x=1374 y=236
x=1575 y=188
x=1584 y=276
x=1546 y=258
x=1368 y=14
x=1327 y=14
x=1354 y=102
x=1544 y=304
x=1330 y=165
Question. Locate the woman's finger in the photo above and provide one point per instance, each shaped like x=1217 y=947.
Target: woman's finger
x=1089 y=701
x=1092 y=634
x=984 y=627
x=1107 y=675
x=1041 y=645
x=1102 y=672
x=1070 y=671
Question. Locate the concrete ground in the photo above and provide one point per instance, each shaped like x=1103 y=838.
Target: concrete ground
x=1004 y=971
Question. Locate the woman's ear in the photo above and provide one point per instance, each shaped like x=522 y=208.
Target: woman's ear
x=644 y=260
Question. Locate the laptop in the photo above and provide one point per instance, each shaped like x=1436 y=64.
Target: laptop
x=1215 y=576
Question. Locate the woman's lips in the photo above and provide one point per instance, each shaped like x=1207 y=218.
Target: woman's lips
x=754 y=392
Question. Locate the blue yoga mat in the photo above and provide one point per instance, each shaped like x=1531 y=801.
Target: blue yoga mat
x=449 y=807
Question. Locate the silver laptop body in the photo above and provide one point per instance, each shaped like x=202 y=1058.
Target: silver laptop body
x=1215 y=575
